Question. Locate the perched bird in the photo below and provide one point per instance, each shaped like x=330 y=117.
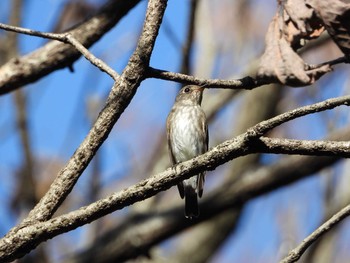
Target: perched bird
x=187 y=133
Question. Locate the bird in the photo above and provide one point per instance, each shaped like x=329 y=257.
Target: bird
x=187 y=135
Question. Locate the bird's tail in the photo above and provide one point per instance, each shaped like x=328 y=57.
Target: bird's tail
x=191 y=201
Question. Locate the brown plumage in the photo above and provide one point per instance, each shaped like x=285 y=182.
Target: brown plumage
x=187 y=134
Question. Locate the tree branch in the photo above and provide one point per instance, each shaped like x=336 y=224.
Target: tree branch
x=65 y=38
x=302 y=147
x=247 y=83
x=28 y=237
x=267 y=125
x=153 y=227
x=220 y=154
x=332 y=62
x=119 y=98
x=56 y=55
x=295 y=254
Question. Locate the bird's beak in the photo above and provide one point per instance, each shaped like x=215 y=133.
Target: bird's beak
x=200 y=89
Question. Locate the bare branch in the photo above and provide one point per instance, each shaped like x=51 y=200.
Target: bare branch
x=30 y=32
x=303 y=147
x=90 y=57
x=66 y=38
x=55 y=55
x=247 y=83
x=295 y=254
x=332 y=62
x=267 y=125
x=241 y=145
x=153 y=227
x=28 y=237
x=119 y=98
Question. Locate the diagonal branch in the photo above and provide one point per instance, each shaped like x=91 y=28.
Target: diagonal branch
x=267 y=125
x=295 y=254
x=153 y=227
x=90 y=57
x=119 y=98
x=27 y=238
x=220 y=154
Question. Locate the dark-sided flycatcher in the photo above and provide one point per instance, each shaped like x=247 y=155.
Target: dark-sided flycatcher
x=187 y=133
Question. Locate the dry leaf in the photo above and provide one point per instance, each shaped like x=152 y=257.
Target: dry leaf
x=296 y=23
x=335 y=15
x=301 y=22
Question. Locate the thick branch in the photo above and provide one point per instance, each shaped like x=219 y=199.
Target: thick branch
x=302 y=147
x=45 y=230
x=220 y=154
x=154 y=227
x=119 y=98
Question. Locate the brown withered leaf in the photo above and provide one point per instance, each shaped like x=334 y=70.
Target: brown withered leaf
x=335 y=15
x=291 y=66
x=301 y=22
x=282 y=62
x=295 y=22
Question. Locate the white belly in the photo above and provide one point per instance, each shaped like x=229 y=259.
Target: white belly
x=187 y=134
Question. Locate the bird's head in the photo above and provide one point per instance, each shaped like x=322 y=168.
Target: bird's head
x=190 y=95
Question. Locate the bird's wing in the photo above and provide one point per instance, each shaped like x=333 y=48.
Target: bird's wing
x=170 y=146
x=201 y=176
x=206 y=134
x=180 y=185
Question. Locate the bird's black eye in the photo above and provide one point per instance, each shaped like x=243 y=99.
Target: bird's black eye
x=187 y=90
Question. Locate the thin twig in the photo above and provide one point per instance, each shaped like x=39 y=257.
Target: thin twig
x=297 y=252
x=31 y=32
x=67 y=38
x=247 y=83
x=267 y=125
x=332 y=62
x=90 y=57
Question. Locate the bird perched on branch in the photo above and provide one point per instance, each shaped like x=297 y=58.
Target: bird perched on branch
x=187 y=134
